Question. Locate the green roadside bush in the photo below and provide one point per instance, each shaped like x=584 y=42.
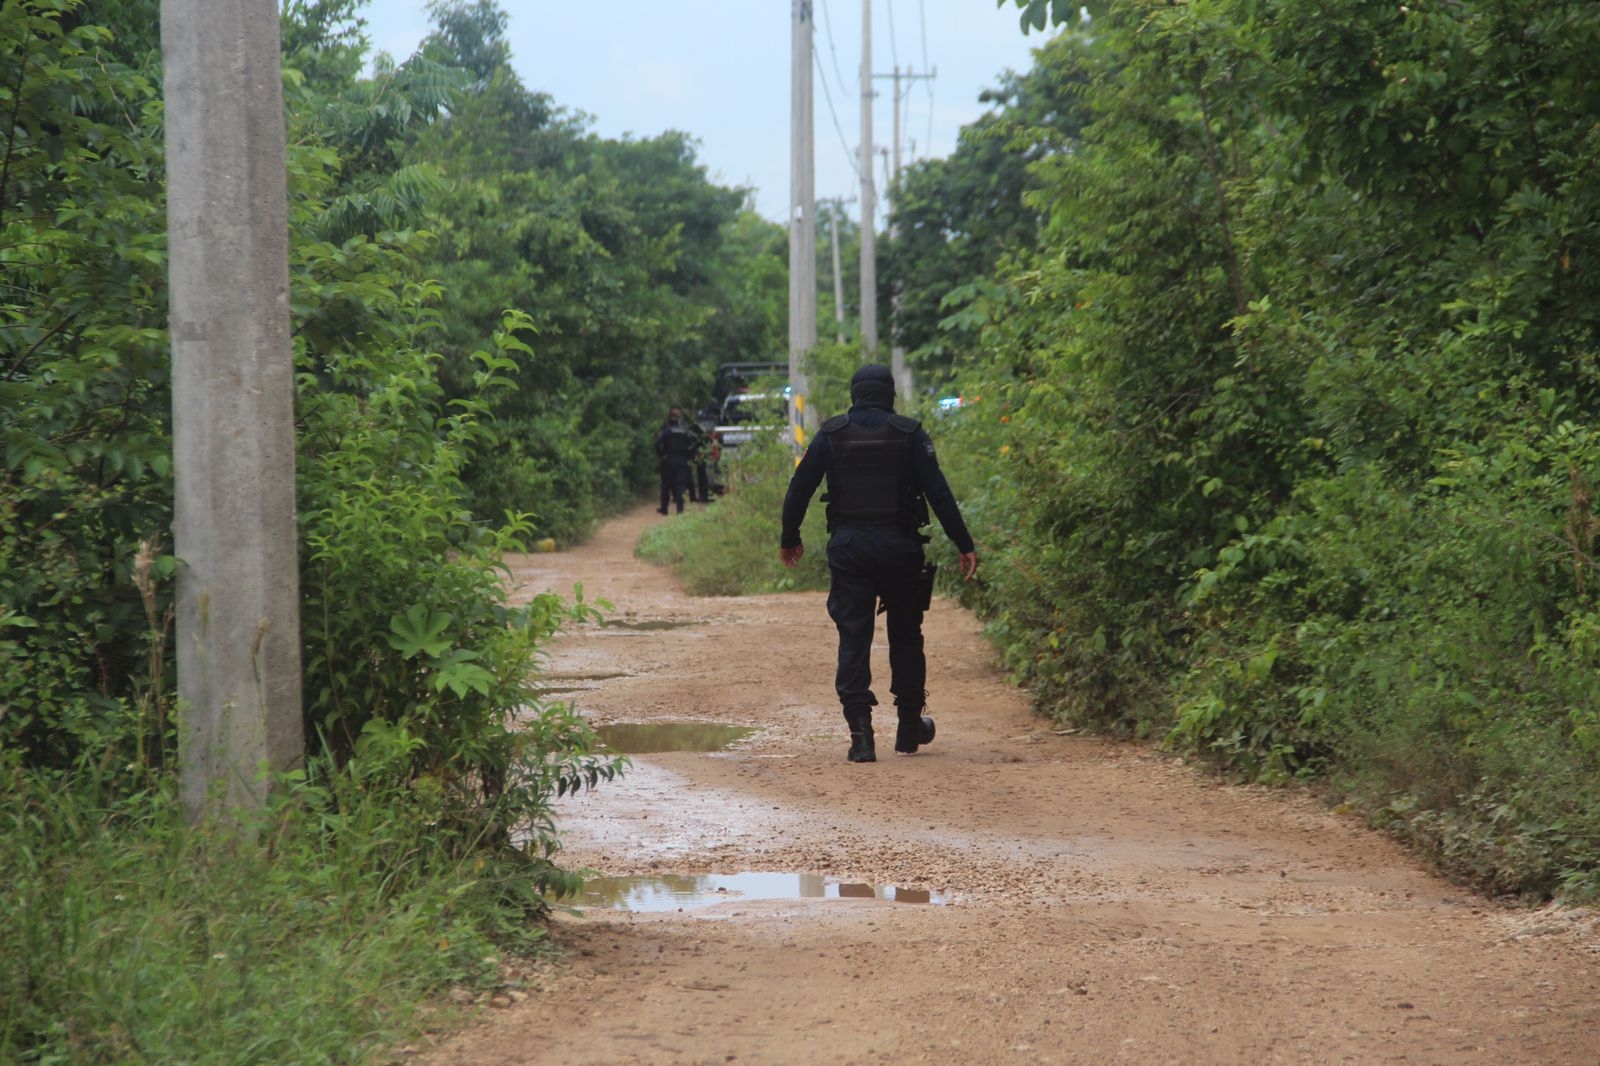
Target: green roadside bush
x=420 y=836
x=1427 y=653
x=1285 y=453
x=312 y=933
x=730 y=546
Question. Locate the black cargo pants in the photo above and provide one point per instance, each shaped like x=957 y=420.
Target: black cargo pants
x=674 y=480
x=868 y=564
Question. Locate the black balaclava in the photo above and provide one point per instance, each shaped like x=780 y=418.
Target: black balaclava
x=873 y=386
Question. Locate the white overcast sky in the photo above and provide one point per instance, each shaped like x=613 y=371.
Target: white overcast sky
x=718 y=70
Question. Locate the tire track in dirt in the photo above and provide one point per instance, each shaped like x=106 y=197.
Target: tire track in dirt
x=1107 y=904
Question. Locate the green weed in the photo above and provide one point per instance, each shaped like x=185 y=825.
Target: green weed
x=313 y=935
x=730 y=547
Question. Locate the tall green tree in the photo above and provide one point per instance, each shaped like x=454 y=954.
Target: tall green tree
x=638 y=275
x=953 y=220
x=84 y=457
x=414 y=663
x=1293 y=448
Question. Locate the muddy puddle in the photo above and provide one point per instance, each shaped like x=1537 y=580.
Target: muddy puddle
x=670 y=892
x=654 y=738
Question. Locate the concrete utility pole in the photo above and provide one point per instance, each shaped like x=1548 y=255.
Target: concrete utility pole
x=896 y=77
x=238 y=615
x=897 y=354
x=908 y=76
x=802 y=216
x=838 y=280
x=869 y=200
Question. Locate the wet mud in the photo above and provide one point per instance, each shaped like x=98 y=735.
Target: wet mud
x=655 y=738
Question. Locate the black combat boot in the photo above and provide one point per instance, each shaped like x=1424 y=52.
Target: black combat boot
x=861 y=746
x=914 y=730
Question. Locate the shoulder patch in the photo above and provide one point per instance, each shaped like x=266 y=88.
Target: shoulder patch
x=904 y=423
x=836 y=422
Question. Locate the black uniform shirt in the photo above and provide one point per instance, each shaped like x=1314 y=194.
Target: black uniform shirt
x=676 y=441
x=926 y=479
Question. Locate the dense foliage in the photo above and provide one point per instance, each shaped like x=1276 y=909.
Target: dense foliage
x=389 y=547
x=491 y=306
x=1287 y=448
x=638 y=276
x=1285 y=327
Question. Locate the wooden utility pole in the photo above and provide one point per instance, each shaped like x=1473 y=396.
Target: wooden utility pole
x=802 y=215
x=869 y=200
x=238 y=612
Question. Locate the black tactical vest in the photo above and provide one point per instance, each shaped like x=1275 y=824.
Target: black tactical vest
x=678 y=440
x=869 y=479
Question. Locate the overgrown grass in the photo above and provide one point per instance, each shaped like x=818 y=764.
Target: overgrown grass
x=314 y=936
x=730 y=548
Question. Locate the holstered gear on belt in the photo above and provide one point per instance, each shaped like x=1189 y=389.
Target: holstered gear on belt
x=924 y=589
x=869 y=480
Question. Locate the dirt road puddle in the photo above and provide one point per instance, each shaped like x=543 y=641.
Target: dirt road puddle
x=668 y=892
x=654 y=738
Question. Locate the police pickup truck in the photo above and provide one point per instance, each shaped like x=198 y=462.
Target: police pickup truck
x=747 y=415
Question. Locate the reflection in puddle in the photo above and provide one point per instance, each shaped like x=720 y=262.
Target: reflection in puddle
x=667 y=892
x=647 y=738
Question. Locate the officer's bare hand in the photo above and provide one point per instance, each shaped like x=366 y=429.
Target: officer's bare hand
x=790 y=556
x=969 y=564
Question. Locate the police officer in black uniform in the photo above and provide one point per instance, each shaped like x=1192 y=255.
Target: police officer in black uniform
x=699 y=476
x=675 y=446
x=882 y=477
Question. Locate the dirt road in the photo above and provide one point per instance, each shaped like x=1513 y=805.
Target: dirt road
x=1100 y=903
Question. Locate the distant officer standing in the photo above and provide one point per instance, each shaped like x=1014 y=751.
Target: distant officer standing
x=882 y=477
x=700 y=476
x=675 y=448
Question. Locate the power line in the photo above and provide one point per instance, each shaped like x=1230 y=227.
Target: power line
x=833 y=53
x=922 y=15
x=894 y=54
x=828 y=96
